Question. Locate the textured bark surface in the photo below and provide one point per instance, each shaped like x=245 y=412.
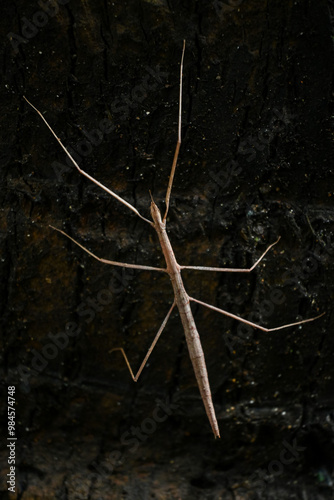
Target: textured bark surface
x=256 y=162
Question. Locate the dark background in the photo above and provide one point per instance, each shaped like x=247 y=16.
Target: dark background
x=256 y=162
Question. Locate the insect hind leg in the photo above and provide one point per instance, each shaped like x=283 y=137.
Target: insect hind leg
x=156 y=338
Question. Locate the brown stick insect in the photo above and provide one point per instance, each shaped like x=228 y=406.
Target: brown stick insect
x=173 y=269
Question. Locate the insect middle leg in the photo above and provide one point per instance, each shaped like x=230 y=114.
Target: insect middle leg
x=233 y=270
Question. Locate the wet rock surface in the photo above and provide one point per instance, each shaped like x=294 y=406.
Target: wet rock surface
x=256 y=162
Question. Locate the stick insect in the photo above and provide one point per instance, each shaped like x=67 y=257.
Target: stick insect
x=181 y=298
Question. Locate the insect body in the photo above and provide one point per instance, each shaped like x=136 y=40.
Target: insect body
x=181 y=298
x=182 y=301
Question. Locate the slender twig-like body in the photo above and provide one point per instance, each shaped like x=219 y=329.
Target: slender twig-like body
x=183 y=304
x=181 y=298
